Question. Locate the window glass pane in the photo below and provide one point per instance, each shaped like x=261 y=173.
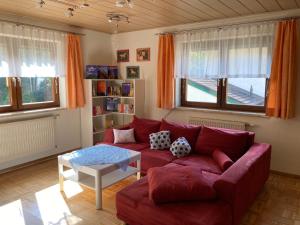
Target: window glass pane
x=4 y=93
x=246 y=91
x=36 y=89
x=202 y=91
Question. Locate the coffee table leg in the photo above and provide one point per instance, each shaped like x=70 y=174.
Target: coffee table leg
x=138 y=166
x=98 y=189
x=60 y=176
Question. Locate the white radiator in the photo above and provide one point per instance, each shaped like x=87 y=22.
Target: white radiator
x=238 y=125
x=26 y=139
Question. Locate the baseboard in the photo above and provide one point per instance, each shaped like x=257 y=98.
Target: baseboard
x=285 y=174
x=34 y=162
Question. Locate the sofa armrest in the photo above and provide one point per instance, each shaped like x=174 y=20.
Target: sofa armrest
x=109 y=135
x=242 y=182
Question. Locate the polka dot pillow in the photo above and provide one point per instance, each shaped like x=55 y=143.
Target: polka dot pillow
x=180 y=147
x=160 y=140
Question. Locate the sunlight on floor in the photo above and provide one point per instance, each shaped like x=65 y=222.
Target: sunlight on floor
x=12 y=212
x=52 y=205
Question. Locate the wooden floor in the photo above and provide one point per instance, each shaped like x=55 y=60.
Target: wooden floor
x=31 y=196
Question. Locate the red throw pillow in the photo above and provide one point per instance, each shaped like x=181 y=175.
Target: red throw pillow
x=234 y=145
x=143 y=128
x=178 y=183
x=222 y=159
x=178 y=130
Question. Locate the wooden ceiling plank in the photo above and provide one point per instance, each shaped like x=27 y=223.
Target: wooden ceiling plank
x=164 y=12
x=287 y=4
x=217 y=5
x=236 y=6
x=270 y=5
x=189 y=9
x=253 y=5
x=173 y=9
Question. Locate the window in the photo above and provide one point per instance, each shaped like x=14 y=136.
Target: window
x=225 y=68
x=28 y=93
x=246 y=94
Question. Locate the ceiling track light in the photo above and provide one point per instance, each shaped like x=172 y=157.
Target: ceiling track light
x=71 y=7
x=123 y=3
x=69 y=12
x=116 y=19
x=41 y=3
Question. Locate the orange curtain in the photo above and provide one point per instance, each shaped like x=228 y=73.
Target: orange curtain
x=165 y=72
x=282 y=87
x=74 y=77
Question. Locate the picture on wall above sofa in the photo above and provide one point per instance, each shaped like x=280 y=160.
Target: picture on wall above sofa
x=123 y=55
x=143 y=54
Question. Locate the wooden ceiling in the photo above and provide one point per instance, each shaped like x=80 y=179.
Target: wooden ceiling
x=146 y=13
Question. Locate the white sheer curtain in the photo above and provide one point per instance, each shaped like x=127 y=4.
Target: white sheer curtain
x=31 y=52
x=243 y=51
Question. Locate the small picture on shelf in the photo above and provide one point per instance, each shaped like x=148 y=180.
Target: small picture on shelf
x=123 y=55
x=113 y=72
x=91 y=71
x=133 y=72
x=103 y=72
x=112 y=104
x=126 y=89
x=143 y=54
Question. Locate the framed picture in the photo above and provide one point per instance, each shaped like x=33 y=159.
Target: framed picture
x=143 y=54
x=133 y=72
x=123 y=55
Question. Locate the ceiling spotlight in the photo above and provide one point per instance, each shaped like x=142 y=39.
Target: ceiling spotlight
x=84 y=4
x=41 y=3
x=69 y=12
x=123 y=3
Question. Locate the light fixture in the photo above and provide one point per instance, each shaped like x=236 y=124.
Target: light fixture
x=71 y=5
x=69 y=12
x=123 y=3
x=116 y=18
x=41 y=3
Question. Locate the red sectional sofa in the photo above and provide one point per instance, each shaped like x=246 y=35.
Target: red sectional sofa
x=236 y=188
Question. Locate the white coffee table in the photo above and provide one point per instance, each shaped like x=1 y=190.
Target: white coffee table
x=98 y=177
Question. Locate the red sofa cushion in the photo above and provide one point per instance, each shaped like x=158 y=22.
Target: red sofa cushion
x=222 y=159
x=155 y=158
x=178 y=183
x=179 y=130
x=203 y=162
x=233 y=144
x=143 y=128
x=135 y=208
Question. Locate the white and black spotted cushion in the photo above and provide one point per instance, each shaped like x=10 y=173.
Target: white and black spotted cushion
x=160 y=140
x=180 y=147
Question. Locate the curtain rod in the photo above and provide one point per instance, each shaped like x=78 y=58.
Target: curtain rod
x=42 y=27
x=227 y=25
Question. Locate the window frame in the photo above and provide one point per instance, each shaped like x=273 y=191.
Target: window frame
x=15 y=92
x=221 y=103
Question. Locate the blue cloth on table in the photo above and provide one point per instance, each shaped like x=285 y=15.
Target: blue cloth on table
x=97 y=155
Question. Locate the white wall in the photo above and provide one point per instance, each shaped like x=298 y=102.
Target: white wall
x=283 y=135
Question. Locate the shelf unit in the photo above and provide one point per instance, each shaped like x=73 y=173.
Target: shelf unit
x=93 y=126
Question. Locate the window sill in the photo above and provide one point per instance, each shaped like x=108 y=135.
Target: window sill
x=240 y=113
x=30 y=112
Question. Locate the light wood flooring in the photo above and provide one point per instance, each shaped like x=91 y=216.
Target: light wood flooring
x=31 y=196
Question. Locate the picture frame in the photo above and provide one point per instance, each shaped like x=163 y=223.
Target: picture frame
x=133 y=72
x=123 y=55
x=142 y=54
